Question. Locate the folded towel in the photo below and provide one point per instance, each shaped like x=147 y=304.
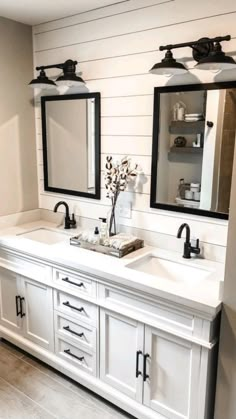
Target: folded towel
x=121 y=240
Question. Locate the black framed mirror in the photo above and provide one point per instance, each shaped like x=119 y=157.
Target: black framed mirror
x=194 y=130
x=71 y=144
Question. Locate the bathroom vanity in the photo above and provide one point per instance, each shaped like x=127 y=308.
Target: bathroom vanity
x=142 y=331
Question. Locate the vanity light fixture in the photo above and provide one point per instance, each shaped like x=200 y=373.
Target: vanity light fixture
x=216 y=60
x=42 y=81
x=168 y=66
x=69 y=77
x=206 y=51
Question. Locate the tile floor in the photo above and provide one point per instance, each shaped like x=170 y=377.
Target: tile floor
x=30 y=389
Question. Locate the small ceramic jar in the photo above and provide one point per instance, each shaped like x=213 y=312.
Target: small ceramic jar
x=188 y=195
x=195 y=187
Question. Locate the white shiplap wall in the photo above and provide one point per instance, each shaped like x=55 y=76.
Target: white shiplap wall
x=115 y=47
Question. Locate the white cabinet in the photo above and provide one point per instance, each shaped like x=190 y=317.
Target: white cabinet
x=26 y=307
x=151 y=357
x=171 y=368
x=157 y=369
x=38 y=310
x=10 y=300
x=121 y=340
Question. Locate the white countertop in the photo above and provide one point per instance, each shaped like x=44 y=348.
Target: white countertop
x=203 y=295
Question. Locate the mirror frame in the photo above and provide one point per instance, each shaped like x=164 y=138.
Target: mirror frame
x=155 y=138
x=77 y=96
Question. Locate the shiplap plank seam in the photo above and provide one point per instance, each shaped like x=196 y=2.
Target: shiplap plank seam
x=138 y=31
x=81 y=13
x=104 y=17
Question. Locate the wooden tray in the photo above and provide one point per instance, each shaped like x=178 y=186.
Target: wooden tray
x=107 y=250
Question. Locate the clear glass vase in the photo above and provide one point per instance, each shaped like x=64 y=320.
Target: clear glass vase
x=113 y=220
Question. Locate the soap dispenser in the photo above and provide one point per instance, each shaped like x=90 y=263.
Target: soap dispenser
x=103 y=230
x=96 y=238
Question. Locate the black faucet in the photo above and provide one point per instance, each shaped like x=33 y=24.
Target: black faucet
x=69 y=222
x=188 y=248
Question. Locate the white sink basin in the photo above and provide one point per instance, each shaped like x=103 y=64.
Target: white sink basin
x=168 y=269
x=46 y=236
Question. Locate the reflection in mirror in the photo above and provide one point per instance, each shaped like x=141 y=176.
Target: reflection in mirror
x=71 y=144
x=193 y=148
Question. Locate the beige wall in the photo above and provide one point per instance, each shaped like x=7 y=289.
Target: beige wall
x=18 y=176
x=226 y=382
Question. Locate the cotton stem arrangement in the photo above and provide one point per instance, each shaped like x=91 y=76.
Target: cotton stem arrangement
x=117 y=177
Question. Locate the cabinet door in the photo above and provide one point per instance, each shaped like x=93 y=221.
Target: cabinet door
x=172 y=368
x=9 y=290
x=38 y=310
x=121 y=339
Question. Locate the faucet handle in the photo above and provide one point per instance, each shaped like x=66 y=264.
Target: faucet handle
x=195 y=246
x=73 y=220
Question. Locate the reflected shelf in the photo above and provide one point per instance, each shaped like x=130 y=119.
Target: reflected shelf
x=189 y=154
x=186 y=150
x=184 y=127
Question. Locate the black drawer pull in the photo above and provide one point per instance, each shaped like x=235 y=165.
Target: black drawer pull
x=137 y=363
x=17 y=306
x=67 y=304
x=145 y=375
x=68 y=329
x=81 y=284
x=68 y=352
x=21 y=307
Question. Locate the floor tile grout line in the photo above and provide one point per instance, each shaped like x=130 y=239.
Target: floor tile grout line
x=29 y=398
x=9 y=349
x=54 y=379
x=42 y=372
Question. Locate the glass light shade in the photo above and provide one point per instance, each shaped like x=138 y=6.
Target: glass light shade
x=167 y=71
x=215 y=67
x=44 y=86
x=70 y=81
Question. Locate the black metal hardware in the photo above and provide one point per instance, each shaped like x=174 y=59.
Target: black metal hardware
x=145 y=375
x=201 y=48
x=137 y=363
x=68 y=352
x=68 y=329
x=21 y=307
x=60 y=65
x=210 y=124
x=17 y=306
x=67 y=304
x=69 y=222
x=81 y=284
x=188 y=248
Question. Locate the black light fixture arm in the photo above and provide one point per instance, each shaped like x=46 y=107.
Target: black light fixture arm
x=195 y=43
x=60 y=66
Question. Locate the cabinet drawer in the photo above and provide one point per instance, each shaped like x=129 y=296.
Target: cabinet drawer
x=79 y=333
x=23 y=266
x=155 y=312
x=76 y=356
x=75 y=307
x=80 y=283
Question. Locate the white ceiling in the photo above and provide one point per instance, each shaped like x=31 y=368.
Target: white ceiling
x=33 y=12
